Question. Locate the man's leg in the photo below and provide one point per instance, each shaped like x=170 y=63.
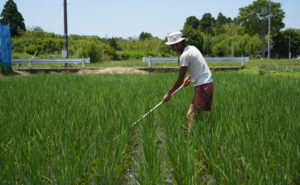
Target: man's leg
x=190 y=117
x=202 y=101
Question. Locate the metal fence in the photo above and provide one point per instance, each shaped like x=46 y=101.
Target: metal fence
x=52 y=61
x=208 y=59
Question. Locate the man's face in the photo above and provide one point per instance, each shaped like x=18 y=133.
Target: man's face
x=178 y=47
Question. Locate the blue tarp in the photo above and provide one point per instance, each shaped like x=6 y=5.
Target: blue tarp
x=5 y=45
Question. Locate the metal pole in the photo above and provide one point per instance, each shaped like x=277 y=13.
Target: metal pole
x=66 y=29
x=233 y=38
x=269 y=40
x=289 y=47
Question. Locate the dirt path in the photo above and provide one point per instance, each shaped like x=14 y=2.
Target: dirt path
x=110 y=70
x=113 y=70
x=14 y=73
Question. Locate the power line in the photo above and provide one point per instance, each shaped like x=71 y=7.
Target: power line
x=39 y=7
x=55 y=17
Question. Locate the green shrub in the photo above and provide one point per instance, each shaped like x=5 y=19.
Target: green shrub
x=137 y=54
x=31 y=49
x=221 y=45
x=4 y=69
x=21 y=55
x=89 y=50
x=123 y=55
x=262 y=72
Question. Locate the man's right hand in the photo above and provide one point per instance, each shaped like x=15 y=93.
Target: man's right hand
x=166 y=98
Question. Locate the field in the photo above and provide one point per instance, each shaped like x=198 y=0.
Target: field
x=76 y=129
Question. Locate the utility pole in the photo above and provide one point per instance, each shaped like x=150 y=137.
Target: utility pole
x=65 y=30
x=233 y=38
x=269 y=40
x=289 y=47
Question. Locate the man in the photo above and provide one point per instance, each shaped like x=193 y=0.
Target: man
x=191 y=61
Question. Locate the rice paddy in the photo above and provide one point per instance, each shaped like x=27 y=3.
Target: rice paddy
x=76 y=129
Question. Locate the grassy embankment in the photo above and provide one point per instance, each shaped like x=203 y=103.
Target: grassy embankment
x=278 y=67
x=139 y=63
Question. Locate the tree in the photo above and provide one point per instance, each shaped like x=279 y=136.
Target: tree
x=192 y=32
x=192 y=22
x=11 y=15
x=281 y=43
x=207 y=23
x=207 y=46
x=113 y=44
x=255 y=19
x=145 y=35
x=194 y=37
x=220 y=23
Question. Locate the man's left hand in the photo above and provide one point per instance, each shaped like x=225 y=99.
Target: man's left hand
x=187 y=81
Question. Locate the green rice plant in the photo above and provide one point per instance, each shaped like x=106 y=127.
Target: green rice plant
x=182 y=157
x=149 y=161
x=250 y=139
x=76 y=129
x=54 y=131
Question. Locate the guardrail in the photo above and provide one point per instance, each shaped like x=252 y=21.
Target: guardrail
x=51 y=61
x=208 y=59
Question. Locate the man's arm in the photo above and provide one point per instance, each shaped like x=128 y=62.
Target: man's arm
x=177 y=84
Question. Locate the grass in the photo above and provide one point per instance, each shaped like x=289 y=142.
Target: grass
x=75 y=129
x=272 y=73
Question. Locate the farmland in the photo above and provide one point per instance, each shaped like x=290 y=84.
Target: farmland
x=76 y=129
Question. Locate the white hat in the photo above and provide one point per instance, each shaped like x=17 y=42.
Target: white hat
x=174 y=38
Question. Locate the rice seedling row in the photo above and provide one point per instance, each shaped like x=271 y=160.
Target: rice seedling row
x=63 y=128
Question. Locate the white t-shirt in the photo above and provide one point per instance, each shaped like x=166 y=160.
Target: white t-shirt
x=197 y=66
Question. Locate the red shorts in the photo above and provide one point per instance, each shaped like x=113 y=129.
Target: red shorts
x=203 y=96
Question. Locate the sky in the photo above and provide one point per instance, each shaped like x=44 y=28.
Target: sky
x=128 y=18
